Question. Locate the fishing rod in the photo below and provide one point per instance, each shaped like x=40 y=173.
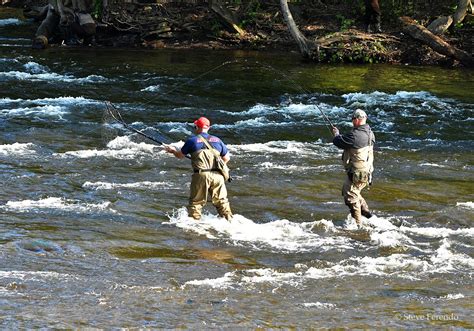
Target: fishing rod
x=115 y=114
x=300 y=88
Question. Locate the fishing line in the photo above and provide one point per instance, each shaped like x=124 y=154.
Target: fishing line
x=113 y=111
x=298 y=86
x=178 y=86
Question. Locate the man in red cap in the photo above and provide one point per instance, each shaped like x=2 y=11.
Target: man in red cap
x=206 y=177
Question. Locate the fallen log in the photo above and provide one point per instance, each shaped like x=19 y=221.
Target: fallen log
x=422 y=34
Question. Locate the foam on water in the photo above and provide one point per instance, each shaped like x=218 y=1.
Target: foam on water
x=10 y=21
x=258 y=122
x=319 y=305
x=281 y=235
x=152 y=88
x=42 y=111
x=18 y=149
x=290 y=167
x=290 y=147
x=445 y=260
x=35 y=72
x=34 y=275
x=35 y=68
x=119 y=148
x=469 y=204
x=140 y=185
x=430 y=232
x=59 y=101
x=402 y=266
x=53 y=203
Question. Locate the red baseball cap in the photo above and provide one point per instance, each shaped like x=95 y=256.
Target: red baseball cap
x=202 y=123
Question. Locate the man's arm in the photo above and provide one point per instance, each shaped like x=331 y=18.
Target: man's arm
x=226 y=158
x=344 y=141
x=174 y=151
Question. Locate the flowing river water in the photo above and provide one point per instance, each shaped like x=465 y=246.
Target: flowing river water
x=93 y=228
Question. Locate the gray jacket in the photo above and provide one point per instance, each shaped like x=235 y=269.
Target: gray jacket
x=358 y=146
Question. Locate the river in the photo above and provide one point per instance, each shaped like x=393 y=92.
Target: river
x=93 y=227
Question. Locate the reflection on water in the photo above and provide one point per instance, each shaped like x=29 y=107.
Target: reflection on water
x=94 y=231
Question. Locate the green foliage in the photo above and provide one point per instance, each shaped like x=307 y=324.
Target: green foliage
x=97 y=9
x=251 y=13
x=356 y=53
x=345 y=23
x=216 y=27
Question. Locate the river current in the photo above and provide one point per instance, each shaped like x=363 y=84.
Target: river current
x=93 y=227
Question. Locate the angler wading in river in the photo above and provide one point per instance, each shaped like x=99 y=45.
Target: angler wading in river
x=208 y=158
x=358 y=158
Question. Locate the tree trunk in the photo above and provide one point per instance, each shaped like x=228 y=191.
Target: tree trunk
x=441 y=24
x=436 y=43
x=307 y=48
x=226 y=15
x=46 y=28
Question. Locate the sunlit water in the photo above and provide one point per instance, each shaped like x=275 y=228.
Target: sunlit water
x=93 y=229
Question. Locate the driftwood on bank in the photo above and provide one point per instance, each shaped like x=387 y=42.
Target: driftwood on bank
x=443 y=23
x=422 y=34
x=226 y=15
x=347 y=46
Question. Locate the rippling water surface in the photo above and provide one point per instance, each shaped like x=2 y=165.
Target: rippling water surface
x=93 y=229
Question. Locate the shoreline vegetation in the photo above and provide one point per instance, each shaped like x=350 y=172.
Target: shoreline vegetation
x=422 y=32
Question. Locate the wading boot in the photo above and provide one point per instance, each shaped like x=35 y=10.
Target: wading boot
x=377 y=28
x=366 y=213
x=368 y=29
x=364 y=209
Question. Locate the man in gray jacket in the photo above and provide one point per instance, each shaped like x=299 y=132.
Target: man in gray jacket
x=358 y=160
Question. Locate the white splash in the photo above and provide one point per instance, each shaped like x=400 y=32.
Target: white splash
x=10 y=21
x=431 y=232
x=119 y=148
x=320 y=305
x=138 y=185
x=281 y=235
x=434 y=165
x=17 y=149
x=282 y=146
x=453 y=296
x=34 y=275
x=152 y=88
x=48 y=77
x=469 y=204
x=44 y=111
x=445 y=260
x=54 y=203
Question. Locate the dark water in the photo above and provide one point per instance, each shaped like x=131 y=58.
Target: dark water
x=93 y=231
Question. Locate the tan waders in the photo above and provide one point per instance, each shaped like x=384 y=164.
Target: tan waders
x=359 y=163
x=204 y=184
x=207 y=180
x=354 y=200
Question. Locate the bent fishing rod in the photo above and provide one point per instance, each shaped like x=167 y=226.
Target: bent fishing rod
x=113 y=111
x=115 y=114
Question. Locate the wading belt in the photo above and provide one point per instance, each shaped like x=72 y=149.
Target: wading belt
x=198 y=171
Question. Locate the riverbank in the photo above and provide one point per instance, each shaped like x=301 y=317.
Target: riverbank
x=158 y=26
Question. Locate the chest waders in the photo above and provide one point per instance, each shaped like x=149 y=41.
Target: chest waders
x=207 y=179
x=358 y=163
